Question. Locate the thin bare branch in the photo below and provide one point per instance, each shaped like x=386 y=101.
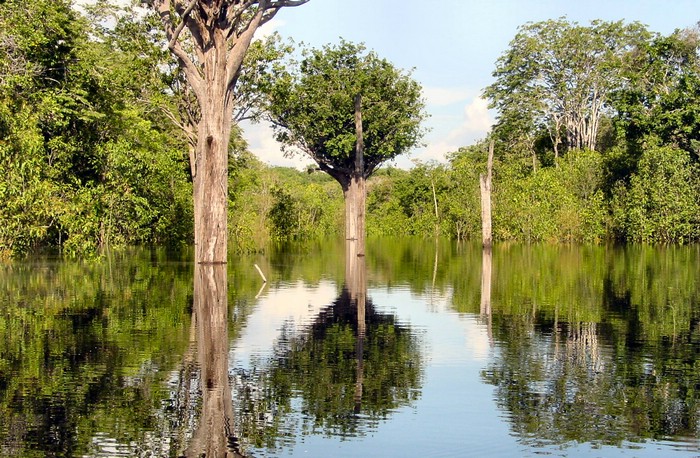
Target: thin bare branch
x=240 y=48
x=287 y=3
x=181 y=25
x=195 y=79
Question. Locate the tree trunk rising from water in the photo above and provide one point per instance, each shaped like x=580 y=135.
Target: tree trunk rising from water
x=485 y=187
x=210 y=39
x=355 y=191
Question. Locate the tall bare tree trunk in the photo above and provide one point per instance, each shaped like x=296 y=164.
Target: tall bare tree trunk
x=485 y=187
x=211 y=54
x=355 y=200
x=355 y=192
x=435 y=203
x=211 y=179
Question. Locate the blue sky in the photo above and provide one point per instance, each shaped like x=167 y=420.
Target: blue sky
x=452 y=45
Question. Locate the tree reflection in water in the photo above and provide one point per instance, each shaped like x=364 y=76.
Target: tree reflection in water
x=347 y=370
x=624 y=378
x=214 y=434
x=485 y=303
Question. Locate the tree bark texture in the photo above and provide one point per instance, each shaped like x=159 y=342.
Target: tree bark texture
x=355 y=201
x=485 y=187
x=211 y=183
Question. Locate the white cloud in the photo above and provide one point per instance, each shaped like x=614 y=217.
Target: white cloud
x=269 y=28
x=443 y=96
x=475 y=124
x=263 y=145
x=477 y=116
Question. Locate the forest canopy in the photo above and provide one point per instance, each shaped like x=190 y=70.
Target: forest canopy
x=597 y=139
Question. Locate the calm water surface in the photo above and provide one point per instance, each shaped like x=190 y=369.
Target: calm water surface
x=419 y=348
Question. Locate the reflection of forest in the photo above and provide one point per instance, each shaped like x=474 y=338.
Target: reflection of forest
x=85 y=350
x=349 y=368
x=609 y=358
x=590 y=343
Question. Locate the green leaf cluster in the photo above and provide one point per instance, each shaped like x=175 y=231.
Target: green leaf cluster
x=312 y=107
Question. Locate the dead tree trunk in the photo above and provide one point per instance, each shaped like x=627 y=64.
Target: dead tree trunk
x=485 y=187
x=435 y=203
x=355 y=191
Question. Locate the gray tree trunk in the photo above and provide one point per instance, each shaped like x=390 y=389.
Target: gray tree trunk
x=211 y=183
x=485 y=187
x=355 y=192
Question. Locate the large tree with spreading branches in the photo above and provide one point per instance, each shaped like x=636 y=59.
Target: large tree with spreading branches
x=350 y=111
x=210 y=39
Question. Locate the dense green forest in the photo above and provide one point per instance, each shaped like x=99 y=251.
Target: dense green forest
x=597 y=139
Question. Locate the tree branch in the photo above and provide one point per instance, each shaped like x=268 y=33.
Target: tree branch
x=193 y=76
x=267 y=9
x=181 y=25
x=240 y=48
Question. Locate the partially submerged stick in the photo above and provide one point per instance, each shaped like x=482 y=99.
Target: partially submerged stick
x=260 y=272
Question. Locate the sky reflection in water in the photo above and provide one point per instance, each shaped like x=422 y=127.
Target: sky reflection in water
x=585 y=352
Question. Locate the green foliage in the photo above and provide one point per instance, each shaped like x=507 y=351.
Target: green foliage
x=280 y=204
x=558 y=76
x=303 y=210
x=403 y=202
x=564 y=203
x=85 y=164
x=92 y=153
x=557 y=204
x=312 y=108
x=661 y=202
x=385 y=213
x=641 y=89
x=462 y=201
x=662 y=97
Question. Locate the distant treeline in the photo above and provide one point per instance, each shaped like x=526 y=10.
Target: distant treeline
x=92 y=156
x=570 y=202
